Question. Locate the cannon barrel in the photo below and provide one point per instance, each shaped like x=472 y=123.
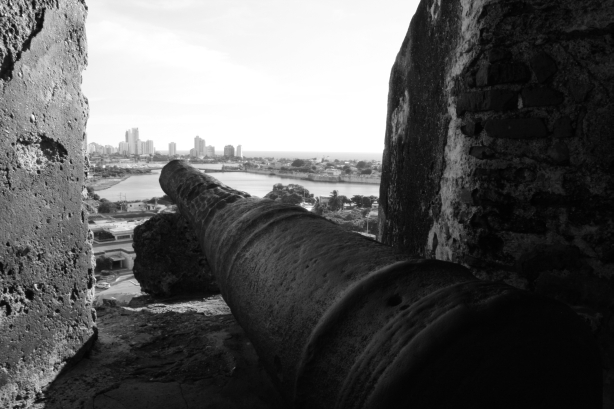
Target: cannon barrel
x=342 y=321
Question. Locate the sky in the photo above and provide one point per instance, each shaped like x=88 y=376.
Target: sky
x=270 y=75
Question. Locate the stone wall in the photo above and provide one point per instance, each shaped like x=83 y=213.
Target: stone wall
x=46 y=280
x=169 y=260
x=499 y=152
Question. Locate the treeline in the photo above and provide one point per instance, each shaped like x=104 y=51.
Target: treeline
x=117 y=172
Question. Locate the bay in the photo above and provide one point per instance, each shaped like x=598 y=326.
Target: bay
x=148 y=186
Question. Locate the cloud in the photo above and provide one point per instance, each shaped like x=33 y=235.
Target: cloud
x=140 y=61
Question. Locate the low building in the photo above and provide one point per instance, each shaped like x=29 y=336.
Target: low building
x=122 y=258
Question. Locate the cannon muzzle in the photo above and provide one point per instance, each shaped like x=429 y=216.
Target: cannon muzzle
x=342 y=321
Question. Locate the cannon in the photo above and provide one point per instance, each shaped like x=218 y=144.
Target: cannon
x=342 y=321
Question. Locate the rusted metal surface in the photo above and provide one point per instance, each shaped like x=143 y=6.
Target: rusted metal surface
x=342 y=321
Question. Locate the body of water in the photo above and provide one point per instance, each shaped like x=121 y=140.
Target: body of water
x=342 y=156
x=148 y=186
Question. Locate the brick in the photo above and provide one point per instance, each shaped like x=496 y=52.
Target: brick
x=538 y=96
x=563 y=128
x=471 y=128
x=481 y=152
x=516 y=128
x=491 y=100
x=493 y=74
x=543 y=66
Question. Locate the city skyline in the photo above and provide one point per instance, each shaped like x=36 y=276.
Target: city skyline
x=282 y=76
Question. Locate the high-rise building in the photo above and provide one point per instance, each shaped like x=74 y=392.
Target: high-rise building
x=239 y=151
x=148 y=148
x=91 y=148
x=210 y=151
x=132 y=137
x=199 y=146
x=193 y=153
x=124 y=148
x=109 y=150
x=172 y=149
x=229 y=151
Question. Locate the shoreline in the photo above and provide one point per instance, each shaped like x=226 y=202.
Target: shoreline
x=105 y=183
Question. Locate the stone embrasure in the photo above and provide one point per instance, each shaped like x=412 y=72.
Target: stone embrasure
x=169 y=260
x=46 y=279
x=546 y=158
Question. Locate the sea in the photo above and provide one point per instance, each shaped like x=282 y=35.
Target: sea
x=141 y=187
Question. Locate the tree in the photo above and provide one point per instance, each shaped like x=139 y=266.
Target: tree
x=107 y=206
x=366 y=171
x=104 y=263
x=348 y=171
x=361 y=165
x=336 y=202
x=298 y=163
x=91 y=194
x=357 y=199
x=334 y=193
x=366 y=202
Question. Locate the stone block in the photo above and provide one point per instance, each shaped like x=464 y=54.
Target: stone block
x=169 y=260
x=471 y=128
x=539 y=96
x=481 y=152
x=563 y=128
x=543 y=66
x=502 y=73
x=491 y=100
x=516 y=128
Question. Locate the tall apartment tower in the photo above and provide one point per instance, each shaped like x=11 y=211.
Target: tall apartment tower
x=172 y=149
x=124 y=148
x=229 y=151
x=239 y=153
x=148 y=148
x=210 y=151
x=199 y=146
x=132 y=137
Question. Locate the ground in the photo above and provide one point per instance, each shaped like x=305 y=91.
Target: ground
x=172 y=353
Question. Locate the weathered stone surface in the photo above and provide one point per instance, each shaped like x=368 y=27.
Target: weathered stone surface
x=168 y=258
x=554 y=151
x=502 y=73
x=516 y=128
x=338 y=320
x=46 y=280
x=539 y=96
x=495 y=100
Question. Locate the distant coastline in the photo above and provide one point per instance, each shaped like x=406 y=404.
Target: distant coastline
x=343 y=156
x=318 y=178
